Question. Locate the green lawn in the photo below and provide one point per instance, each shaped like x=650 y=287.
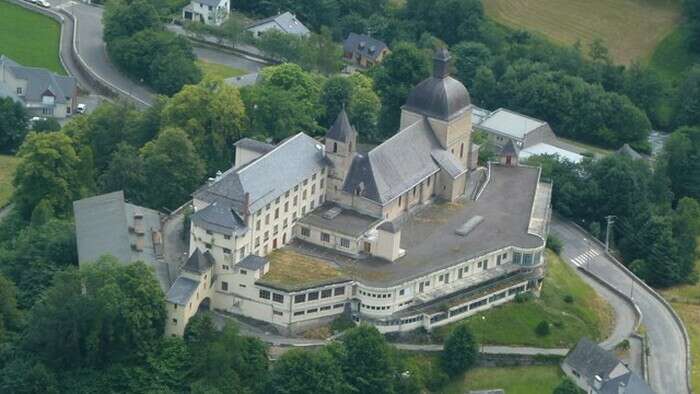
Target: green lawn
x=673 y=57
x=8 y=166
x=514 y=323
x=218 y=71
x=29 y=38
x=514 y=380
x=596 y=150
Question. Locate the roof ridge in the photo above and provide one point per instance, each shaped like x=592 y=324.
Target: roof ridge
x=273 y=150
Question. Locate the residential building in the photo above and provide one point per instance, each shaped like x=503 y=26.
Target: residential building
x=364 y=51
x=285 y=22
x=597 y=371
x=210 y=12
x=42 y=92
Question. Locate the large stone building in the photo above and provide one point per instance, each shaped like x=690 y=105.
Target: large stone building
x=412 y=233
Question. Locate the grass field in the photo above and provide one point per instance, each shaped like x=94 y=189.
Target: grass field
x=686 y=301
x=514 y=380
x=218 y=71
x=514 y=323
x=630 y=28
x=29 y=38
x=8 y=166
x=673 y=57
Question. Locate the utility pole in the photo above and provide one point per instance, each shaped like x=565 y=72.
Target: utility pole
x=611 y=221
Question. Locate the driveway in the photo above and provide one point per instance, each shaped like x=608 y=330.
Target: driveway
x=668 y=354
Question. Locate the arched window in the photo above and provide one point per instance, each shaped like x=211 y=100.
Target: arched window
x=335 y=147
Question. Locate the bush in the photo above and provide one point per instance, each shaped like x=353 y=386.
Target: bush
x=542 y=329
x=569 y=299
x=342 y=323
x=554 y=243
x=522 y=298
x=461 y=351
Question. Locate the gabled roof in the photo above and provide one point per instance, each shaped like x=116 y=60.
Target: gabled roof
x=363 y=44
x=398 y=164
x=341 y=130
x=627 y=150
x=511 y=124
x=39 y=82
x=588 y=359
x=287 y=22
x=219 y=218
x=181 y=291
x=199 y=262
x=213 y=3
x=268 y=177
x=252 y=262
x=448 y=162
x=254 y=145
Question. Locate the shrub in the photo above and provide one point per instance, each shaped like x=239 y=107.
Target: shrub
x=542 y=329
x=461 y=351
x=522 y=298
x=342 y=323
x=554 y=243
x=569 y=299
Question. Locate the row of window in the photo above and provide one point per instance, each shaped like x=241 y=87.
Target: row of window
x=378 y=295
x=397 y=322
x=375 y=308
x=295 y=200
x=314 y=310
x=485 y=301
x=325 y=237
x=527 y=259
x=276 y=297
x=314 y=295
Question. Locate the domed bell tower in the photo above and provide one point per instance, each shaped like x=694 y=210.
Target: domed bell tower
x=341 y=145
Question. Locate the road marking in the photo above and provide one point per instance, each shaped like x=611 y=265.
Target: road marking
x=584 y=257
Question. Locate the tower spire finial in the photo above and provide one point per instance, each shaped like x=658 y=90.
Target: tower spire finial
x=441 y=63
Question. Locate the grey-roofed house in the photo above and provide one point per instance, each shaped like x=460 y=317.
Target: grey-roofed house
x=363 y=50
x=180 y=293
x=210 y=12
x=108 y=225
x=598 y=371
x=285 y=22
x=41 y=92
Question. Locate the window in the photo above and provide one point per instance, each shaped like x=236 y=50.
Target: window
x=257 y=241
x=335 y=147
x=286 y=206
x=267 y=207
x=244 y=272
x=267 y=235
x=326 y=293
x=447 y=278
x=224 y=286
x=174 y=321
x=320 y=184
x=242 y=253
x=227 y=251
x=306 y=182
x=277 y=200
x=284 y=224
x=402 y=292
x=312 y=310
x=527 y=259
x=313 y=296
x=19 y=90
x=303 y=210
x=336 y=306
x=277 y=213
x=325 y=308
x=303 y=195
x=294 y=202
x=242 y=285
x=299 y=313
x=498 y=260
x=461 y=150
x=460 y=273
x=209 y=233
x=517 y=257
x=207 y=245
x=299 y=298
x=305 y=232
x=227 y=237
x=267 y=219
x=344 y=242
x=339 y=291
x=276 y=297
x=278 y=313
x=47 y=111
x=313 y=189
x=257 y=225
x=296 y=188
x=325 y=237
x=312 y=205
x=275 y=230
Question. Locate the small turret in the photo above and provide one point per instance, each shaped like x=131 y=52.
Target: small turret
x=341 y=138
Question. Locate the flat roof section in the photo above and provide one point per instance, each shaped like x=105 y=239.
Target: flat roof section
x=511 y=123
x=347 y=221
x=292 y=271
x=429 y=236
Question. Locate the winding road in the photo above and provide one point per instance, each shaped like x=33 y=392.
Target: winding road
x=668 y=352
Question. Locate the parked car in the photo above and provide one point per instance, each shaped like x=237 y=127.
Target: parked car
x=81 y=109
x=43 y=3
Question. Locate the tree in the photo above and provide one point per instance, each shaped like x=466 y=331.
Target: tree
x=173 y=168
x=692 y=14
x=48 y=124
x=103 y=313
x=366 y=363
x=364 y=106
x=643 y=86
x=450 y=20
x=299 y=371
x=405 y=66
x=687 y=98
x=542 y=329
x=10 y=317
x=469 y=57
x=213 y=116
x=336 y=93
x=484 y=90
x=13 y=125
x=126 y=18
x=686 y=229
x=48 y=171
x=680 y=162
x=567 y=387
x=461 y=351
x=125 y=171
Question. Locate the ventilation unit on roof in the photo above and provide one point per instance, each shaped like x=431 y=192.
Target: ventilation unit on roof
x=332 y=213
x=467 y=227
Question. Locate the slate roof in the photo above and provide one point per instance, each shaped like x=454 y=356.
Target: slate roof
x=627 y=150
x=213 y=3
x=341 y=130
x=364 y=45
x=182 y=290
x=220 y=218
x=252 y=262
x=39 y=82
x=199 y=262
x=287 y=22
x=398 y=164
x=268 y=177
x=439 y=96
x=448 y=162
x=347 y=221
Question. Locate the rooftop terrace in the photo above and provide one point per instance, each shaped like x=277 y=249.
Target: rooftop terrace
x=429 y=237
x=290 y=271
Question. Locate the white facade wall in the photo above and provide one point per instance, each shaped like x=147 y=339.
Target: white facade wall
x=211 y=15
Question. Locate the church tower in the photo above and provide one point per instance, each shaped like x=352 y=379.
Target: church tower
x=341 y=145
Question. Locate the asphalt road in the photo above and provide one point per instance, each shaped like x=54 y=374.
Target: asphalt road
x=667 y=358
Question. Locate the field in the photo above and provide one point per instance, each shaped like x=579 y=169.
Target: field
x=686 y=301
x=630 y=28
x=514 y=380
x=8 y=165
x=29 y=38
x=514 y=323
x=672 y=57
x=218 y=71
